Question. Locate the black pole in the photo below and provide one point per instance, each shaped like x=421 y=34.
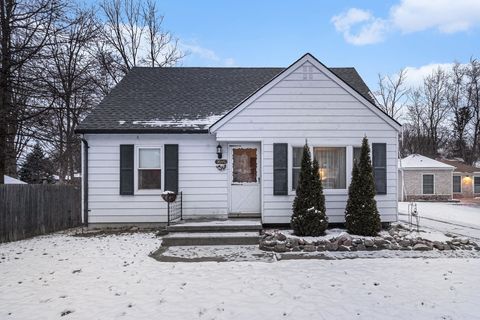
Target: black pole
x=85 y=181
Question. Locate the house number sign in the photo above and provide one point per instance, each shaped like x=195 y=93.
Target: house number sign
x=221 y=164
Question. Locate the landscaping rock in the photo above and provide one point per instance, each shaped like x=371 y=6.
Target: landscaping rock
x=331 y=246
x=421 y=247
x=343 y=248
x=464 y=241
x=321 y=248
x=280 y=247
x=438 y=245
x=265 y=247
x=368 y=243
x=404 y=243
x=344 y=239
x=309 y=248
x=280 y=237
x=361 y=247
x=357 y=241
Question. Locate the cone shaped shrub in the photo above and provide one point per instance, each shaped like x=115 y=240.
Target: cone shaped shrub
x=308 y=218
x=361 y=213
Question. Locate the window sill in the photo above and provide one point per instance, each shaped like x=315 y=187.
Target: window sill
x=149 y=192
x=328 y=192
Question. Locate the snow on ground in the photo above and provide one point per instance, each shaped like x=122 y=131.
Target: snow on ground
x=446 y=211
x=112 y=277
x=456 y=218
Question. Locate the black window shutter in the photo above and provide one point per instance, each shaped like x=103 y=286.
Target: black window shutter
x=171 y=167
x=379 y=161
x=126 y=169
x=280 y=169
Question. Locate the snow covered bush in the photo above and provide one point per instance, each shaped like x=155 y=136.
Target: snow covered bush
x=361 y=213
x=308 y=218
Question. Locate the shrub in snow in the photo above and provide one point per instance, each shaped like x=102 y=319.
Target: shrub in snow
x=308 y=218
x=361 y=213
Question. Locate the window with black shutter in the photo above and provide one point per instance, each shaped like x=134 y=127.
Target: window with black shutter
x=171 y=167
x=280 y=169
x=126 y=169
x=379 y=163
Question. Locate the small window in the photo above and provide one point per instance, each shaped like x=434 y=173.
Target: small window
x=296 y=165
x=149 y=168
x=457 y=184
x=356 y=154
x=332 y=167
x=476 y=184
x=428 y=183
x=244 y=165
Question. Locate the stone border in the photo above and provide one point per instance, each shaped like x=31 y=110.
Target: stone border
x=396 y=239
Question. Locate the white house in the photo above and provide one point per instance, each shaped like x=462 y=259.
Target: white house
x=161 y=129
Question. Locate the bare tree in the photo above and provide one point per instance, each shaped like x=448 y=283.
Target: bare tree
x=133 y=35
x=392 y=93
x=428 y=111
x=25 y=28
x=472 y=74
x=461 y=114
x=69 y=77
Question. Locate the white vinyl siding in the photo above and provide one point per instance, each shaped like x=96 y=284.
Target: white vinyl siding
x=204 y=187
x=321 y=111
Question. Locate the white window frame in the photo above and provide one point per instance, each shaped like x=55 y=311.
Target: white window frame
x=428 y=174
x=291 y=191
x=348 y=166
x=135 y=175
x=453 y=185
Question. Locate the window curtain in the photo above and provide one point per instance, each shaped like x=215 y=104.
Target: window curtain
x=332 y=162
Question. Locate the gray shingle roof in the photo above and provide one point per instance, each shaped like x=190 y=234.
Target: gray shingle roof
x=184 y=99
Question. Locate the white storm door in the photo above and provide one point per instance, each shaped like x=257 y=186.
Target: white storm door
x=244 y=178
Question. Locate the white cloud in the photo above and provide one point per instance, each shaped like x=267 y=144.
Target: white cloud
x=370 y=29
x=361 y=27
x=210 y=56
x=446 y=16
x=415 y=75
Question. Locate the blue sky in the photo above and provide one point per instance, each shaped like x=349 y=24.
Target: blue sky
x=373 y=36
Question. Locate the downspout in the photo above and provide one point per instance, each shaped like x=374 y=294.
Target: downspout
x=85 y=181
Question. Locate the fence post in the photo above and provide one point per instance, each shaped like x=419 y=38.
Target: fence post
x=168 y=213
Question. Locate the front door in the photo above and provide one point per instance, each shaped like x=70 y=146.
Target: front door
x=244 y=178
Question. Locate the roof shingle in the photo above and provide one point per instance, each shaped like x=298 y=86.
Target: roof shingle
x=185 y=99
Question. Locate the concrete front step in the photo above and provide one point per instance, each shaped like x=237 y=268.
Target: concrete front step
x=210 y=238
x=217 y=226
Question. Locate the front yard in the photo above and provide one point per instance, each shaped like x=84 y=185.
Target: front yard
x=112 y=277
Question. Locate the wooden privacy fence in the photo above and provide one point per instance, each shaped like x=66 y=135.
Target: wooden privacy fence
x=27 y=210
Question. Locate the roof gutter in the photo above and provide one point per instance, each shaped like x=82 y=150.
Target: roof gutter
x=142 y=130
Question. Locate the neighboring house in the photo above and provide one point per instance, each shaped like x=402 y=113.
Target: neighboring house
x=10 y=180
x=422 y=178
x=466 y=179
x=164 y=128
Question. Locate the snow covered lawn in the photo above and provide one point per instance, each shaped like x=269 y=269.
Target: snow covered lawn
x=112 y=277
x=446 y=211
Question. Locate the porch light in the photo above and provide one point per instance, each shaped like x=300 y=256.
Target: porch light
x=219 y=151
